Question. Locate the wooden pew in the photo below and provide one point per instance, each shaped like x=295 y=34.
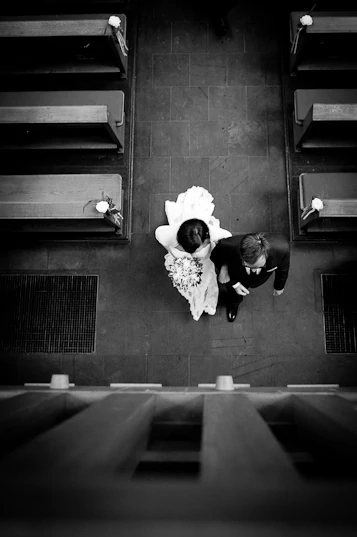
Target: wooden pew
x=338 y=192
x=329 y=44
x=107 y=438
x=62 y=120
x=328 y=424
x=238 y=445
x=325 y=118
x=59 y=198
x=62 y=44
x=26 y=415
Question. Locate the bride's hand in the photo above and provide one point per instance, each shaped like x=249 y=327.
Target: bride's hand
x=223 y=276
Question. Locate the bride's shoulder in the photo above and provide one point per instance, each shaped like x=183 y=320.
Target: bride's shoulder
x=218 y=233
x=176 y=252
x=166 y=235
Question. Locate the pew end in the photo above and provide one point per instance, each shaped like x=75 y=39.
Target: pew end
x=338 y=192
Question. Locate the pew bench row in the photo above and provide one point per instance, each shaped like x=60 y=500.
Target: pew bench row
x=62 y=120
x=63 y=44
x=327 y=42
x=61 y=199
x=325 y=119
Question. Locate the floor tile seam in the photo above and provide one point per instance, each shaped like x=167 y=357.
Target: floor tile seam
x=155 y=53
x=171 y=121
x=271 y=211
x=126 y=334
x=246 y=102
x=232 y=338
x=170 y=175
x=233 y=349
x=189 y=138
x=226 y=70
x=189 y=68
x=150 y=156
x=166 y=311
x=171 y=103
x=151 y=85
x=189 y=370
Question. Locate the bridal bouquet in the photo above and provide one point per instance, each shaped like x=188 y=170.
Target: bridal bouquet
x=185 y=272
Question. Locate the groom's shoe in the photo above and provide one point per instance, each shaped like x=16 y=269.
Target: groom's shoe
x=232 y=311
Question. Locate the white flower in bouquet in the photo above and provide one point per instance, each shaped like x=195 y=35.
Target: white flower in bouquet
x=306 y=20
x=102 y=206
x=317 y=204
x=114 y=21
x=185 y=272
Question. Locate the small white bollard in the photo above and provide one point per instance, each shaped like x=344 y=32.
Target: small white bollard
x=224 y=383
x=59 y=382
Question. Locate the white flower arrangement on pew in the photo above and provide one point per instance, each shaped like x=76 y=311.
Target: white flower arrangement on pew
x=108 y=207
x=305 y=20
x=115 y=23
x=185 y=272
x=315 y=205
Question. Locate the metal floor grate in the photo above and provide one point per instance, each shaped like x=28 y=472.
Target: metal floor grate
x=44 y=313
x=339 y=294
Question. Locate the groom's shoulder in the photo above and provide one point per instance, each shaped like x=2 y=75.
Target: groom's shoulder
x=231 y=241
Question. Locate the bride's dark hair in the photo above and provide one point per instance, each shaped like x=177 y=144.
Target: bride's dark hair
x=191 y=234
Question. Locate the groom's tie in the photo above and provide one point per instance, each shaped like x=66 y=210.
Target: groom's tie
x=253 y=270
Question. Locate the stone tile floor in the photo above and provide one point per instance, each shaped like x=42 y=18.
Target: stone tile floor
x=208 y=113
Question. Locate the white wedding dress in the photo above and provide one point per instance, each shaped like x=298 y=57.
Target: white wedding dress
x=196 y=202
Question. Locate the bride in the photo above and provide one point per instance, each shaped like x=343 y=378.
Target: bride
x=189 y=239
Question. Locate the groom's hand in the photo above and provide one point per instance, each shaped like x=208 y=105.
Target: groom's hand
x=241 y=290
x=223 y=276
x=277 y=293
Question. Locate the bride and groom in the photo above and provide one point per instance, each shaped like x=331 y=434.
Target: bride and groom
x=203 y=260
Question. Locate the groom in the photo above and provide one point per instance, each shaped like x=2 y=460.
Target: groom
x=248 y=261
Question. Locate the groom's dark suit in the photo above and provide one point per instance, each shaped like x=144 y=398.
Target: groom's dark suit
x=227 y=252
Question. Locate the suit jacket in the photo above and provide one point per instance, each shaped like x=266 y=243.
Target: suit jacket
x=227 y=252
